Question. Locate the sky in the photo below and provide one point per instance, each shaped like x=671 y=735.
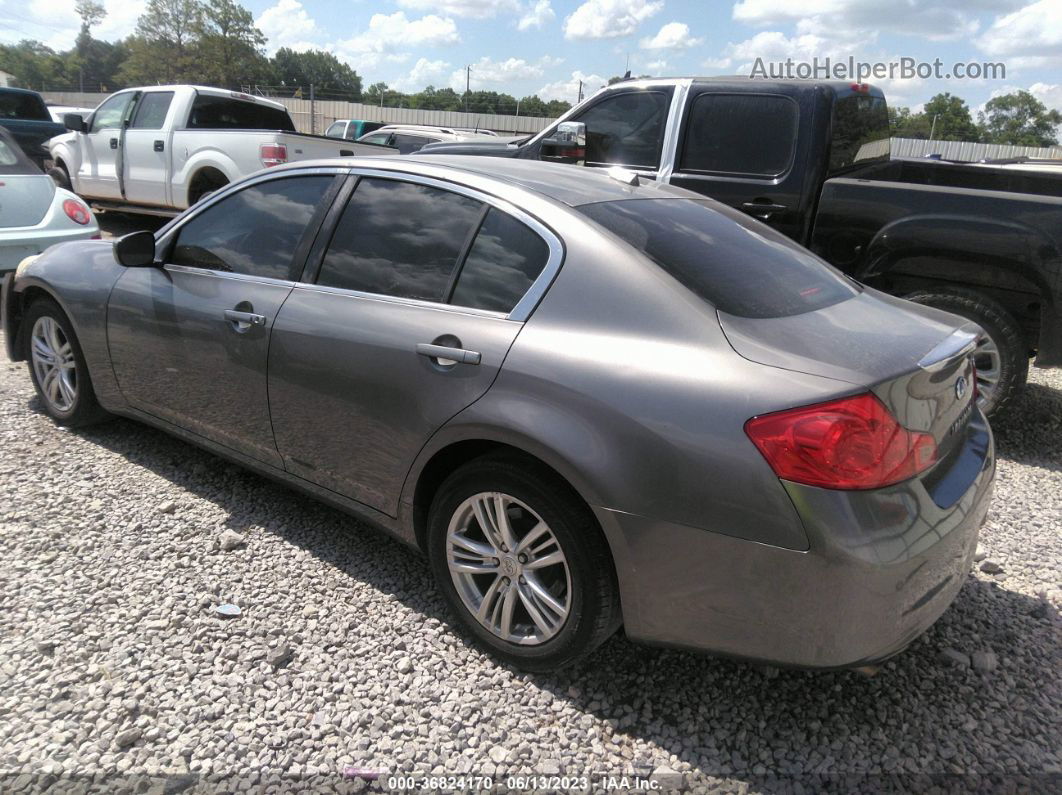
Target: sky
x=547 y=47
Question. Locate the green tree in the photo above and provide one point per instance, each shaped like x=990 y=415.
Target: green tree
x=165 y=47
x=906 y=124
x=1020 y=119
x=953 y=119
x=230 y=46
x=33 y=65
x=532 y=106
x=328 y=75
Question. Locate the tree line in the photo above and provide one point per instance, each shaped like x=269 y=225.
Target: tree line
x=215 y=42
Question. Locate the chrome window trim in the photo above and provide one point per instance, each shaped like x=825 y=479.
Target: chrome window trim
x=394 y=299
x=526 y=305
x=238 y=277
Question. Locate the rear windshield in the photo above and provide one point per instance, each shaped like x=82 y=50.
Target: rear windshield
x=737 y=264
x=16 y=105
x=12 y=159
x=211 y=112
x=860 y=132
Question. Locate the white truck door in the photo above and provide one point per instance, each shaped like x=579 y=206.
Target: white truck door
x=98 y=175
x=147 y=158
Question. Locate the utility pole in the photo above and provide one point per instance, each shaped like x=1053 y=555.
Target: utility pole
x=468 y=84
x=933 y=129
x=580 y=92
x=313 y=112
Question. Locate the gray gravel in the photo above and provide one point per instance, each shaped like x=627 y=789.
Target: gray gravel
x=118 y=544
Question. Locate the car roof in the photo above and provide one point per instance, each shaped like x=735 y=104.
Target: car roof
x=16 y=90
x=567 y=184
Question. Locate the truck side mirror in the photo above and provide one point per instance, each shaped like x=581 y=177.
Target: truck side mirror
x=135 y=250
x=567 y=144
x=75 y=122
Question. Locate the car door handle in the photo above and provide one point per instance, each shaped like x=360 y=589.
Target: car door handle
x=444 y=355
x=242 y=321
x=114 y=143
x=763 y=208
x=160 y=146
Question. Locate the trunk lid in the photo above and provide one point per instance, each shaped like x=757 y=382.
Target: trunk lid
x=24 y=199
x=915 y=359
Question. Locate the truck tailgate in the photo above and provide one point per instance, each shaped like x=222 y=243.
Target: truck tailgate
x=302 y=146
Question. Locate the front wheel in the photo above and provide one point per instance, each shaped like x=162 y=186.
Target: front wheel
x=1001 y=357
x=522 y=563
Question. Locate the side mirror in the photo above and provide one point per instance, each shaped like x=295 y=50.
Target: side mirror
x=75 y=122
x=135 y=250
x=567 y=144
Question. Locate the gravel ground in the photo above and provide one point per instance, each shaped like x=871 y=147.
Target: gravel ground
x=119 y=543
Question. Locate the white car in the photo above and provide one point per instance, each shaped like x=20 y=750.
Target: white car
x=410 y=138
x=34 y=213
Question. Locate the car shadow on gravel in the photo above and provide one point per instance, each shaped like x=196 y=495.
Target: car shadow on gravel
x=921 y=714
x=1031 y=431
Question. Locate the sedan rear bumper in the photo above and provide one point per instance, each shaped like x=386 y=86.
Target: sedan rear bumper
x=881 y=568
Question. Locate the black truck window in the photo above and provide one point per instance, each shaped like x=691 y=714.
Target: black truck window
x=626 y=129
x=753 y=134
x=860 y=132
x=211 y=112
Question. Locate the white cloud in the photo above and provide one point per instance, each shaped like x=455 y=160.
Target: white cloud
x=536 y=16
x=1031 y=36
x=56 y=23
x=568 y=90
x=672 y=36
x=287 y=24
x=656 y=67
x=424 y=73
x=1048 y=93
x=462 y=8
x=388 y=32
x=607 y=19
x=488 y=72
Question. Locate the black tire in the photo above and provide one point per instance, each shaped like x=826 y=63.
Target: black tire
x=1001 y=329
x=60 y=177
x=84 y=408
x=594 y=611
x=203 y=185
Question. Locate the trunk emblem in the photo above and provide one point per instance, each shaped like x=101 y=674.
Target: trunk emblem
x=960 y=387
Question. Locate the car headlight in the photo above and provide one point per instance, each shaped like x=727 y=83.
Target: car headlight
x=25 y=263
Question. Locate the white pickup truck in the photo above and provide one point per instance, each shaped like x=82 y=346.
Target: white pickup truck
x=160 y=149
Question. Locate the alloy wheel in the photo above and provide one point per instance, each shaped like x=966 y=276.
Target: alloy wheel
x=508 y=568
x=988 y=364
x=54 y=364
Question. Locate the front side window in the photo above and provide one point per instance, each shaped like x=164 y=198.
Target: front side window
x=151 y=110
x=752 y=134
x=407 y=144
x=505 y=259
x=335 y=129
x=254 y=231
x=111 y=113
x=627 y=129
x=399 y=239
x=736 y=264
x=376 y=138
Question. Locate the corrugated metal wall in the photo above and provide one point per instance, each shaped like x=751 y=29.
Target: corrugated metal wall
x=964 y=150
x=327 y=111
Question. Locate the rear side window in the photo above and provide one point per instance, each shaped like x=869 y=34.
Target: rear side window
x=860 y=132
x=751 y=134
x=505 y=259
x=400 y=239
x=254 y=231
x=738 y=265
x=152 y=109
x=12 y=159
x=210 y=112
x=16 y=105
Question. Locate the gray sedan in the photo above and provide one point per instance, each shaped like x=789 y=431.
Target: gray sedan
x=590 y=401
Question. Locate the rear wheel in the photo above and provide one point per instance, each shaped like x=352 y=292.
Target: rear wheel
x=522 y=563
x=57 y=366
x=1001 y=358
x=60 y=177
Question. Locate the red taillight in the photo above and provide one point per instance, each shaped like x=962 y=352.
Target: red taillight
x=76 y=211
x=861 y=88
x=852 y=443
x=273 y=154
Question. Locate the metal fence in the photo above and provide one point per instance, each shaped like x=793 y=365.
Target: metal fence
x=966 y=150
x=315 y=116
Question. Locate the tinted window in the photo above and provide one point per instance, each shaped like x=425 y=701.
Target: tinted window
x=860 y=131
x=12 y=159
x=16 y=105
x=152 y=109
x=399 y=238
x=222 y=113
x=255 y=231
x=375 y=138
x=504 y=260
x=111 y=113
x=735 y=263
x=740 y=134
x=405 y=144
x=626 y=129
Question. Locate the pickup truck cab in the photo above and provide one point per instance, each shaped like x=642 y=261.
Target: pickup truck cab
x=25 y=115
x=812 y=159
x=160 y=149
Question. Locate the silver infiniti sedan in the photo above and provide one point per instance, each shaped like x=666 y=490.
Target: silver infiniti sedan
x=590 y=401
x=34 y=213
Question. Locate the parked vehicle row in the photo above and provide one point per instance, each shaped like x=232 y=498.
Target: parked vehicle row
x=411 y=138
x=590 y=398
x=811 y=159
x=161 y=149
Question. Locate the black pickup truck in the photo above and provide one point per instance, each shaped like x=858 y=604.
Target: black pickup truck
x=812 y=159
x=24 y=113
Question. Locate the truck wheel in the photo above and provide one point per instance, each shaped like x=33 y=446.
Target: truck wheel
x=1002 y=356
x=60 y=177
x=204 y=184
